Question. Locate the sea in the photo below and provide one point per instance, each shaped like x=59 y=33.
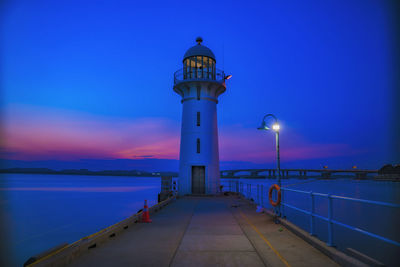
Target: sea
x=41 y=211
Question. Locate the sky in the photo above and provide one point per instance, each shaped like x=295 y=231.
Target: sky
x=89 y=83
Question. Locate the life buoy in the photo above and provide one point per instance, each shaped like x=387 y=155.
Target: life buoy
x=278 y=201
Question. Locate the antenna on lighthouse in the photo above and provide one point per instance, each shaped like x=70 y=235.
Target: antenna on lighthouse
x=199 y=40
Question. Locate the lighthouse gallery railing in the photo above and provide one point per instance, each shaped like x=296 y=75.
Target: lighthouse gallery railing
x=198 y=74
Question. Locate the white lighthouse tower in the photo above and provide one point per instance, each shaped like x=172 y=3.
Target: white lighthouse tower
x=199 y=84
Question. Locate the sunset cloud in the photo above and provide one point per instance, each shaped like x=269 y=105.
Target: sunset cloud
x=32 y=133
x=39 y=133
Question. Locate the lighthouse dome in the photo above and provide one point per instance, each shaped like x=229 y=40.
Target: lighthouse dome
x=199 y=50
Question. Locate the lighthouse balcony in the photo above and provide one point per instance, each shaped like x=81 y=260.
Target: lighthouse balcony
x=184 y=75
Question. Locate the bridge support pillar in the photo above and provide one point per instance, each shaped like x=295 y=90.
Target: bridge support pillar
x=230 y=174
x=254 y=174
x=361 y=175
x=326 y=175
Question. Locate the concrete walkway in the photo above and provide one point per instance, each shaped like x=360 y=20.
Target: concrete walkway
x=206 y=231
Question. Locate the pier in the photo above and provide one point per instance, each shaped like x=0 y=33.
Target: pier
x=220 y=230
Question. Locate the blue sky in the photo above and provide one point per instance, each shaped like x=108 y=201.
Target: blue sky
x=93 y=79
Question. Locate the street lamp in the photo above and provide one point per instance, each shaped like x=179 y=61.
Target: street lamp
x=275 y=127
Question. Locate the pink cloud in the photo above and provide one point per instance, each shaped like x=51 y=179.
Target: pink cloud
x=37 y=133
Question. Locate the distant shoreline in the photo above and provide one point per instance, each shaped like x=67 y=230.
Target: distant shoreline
x=133 y=173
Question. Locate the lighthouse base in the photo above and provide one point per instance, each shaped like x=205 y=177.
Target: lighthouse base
x=197 y=179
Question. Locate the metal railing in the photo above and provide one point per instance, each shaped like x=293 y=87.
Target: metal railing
x=261 y=194
x=330 y=219
x=198 y=74
x=284 y=173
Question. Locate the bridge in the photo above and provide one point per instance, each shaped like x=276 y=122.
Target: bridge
x=302 y=173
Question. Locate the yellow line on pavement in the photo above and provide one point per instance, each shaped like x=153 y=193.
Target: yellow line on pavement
x=265 y=240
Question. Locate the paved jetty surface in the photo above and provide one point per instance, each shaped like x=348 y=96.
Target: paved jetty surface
x=206 y=231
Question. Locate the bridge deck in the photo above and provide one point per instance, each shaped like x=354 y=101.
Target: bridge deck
x=206 y=231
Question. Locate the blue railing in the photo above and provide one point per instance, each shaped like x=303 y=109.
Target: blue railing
x=330 y=219
x=245 y=189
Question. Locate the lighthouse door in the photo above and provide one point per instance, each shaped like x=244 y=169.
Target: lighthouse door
x=198 y=180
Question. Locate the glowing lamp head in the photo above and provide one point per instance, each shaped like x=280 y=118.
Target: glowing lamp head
x=276 y=127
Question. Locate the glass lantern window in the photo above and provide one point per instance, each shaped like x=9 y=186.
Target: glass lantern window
x=201 y=67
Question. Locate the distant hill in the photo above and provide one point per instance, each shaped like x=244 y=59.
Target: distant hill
x=147 y=165
x=136 y=173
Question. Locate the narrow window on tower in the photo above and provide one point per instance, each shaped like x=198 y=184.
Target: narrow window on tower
x=198 y=145
x=198 y=118
x=198 y=93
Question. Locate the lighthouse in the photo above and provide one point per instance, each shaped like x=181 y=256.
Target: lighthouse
x=199 y=83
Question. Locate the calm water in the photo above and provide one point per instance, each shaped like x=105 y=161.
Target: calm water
x=383 y=221
x=43 y=211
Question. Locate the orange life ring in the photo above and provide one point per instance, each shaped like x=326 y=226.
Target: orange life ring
x=278 y=201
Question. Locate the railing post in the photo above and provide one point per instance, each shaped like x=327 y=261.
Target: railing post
x=258 y=194
x=330 y=234
x=282 y=203
x=311 y=213
x=262 y=196
x=250 y=189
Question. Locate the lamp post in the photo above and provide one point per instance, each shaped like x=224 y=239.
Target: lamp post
x=275 y=127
